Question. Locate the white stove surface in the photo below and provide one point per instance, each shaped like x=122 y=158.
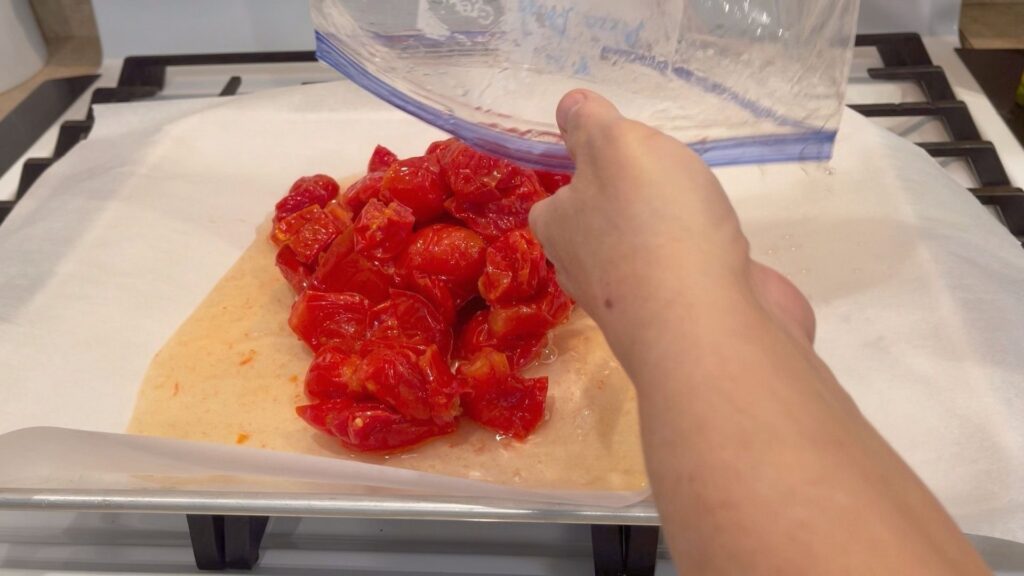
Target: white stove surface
x=60 y=543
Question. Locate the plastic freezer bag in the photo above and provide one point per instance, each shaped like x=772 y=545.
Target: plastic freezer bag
x=741 y=81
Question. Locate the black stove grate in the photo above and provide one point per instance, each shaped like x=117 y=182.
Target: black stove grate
x=904 y=57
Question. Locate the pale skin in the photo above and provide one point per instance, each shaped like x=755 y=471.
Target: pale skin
x=760 y=462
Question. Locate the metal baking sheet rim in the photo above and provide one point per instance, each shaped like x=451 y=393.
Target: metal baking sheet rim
x=329 y=506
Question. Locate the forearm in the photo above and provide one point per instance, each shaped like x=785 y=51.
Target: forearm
x=779 y=472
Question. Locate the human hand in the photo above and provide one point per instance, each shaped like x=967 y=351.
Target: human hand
x=645 y=226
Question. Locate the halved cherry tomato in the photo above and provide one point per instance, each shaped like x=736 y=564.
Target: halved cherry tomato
x=516 y=268
x=438 y=148
x=436 y=290
x=321 y=318
x=288 y=227
x=493 y=219
x=332 y=374
x=296 y=273
x=318 y=189
x=418 y=386
x=472 y=176
x=454 y=253
x=532 y=317
x=316 y=414
x=362 y=191
x=368 y=426
x=552 y=181
x=381 y=232
x=408 y=319
x=499 y=399
x=416 y=182
x=475 y=335
x=315 y=235
x=340 y=213
x=342 y=270
x=381 y=159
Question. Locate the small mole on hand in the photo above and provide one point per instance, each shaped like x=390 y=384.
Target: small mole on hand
x=608 y=303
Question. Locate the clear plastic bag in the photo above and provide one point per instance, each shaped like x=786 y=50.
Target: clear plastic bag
x=741 y=81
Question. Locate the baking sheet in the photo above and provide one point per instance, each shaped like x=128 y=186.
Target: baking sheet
x=914 y=283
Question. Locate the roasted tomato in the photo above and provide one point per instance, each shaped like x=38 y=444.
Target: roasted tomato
x=543 y=312
x=287 y=228
x=306 y=191
x=381 y=159
x=333 y=374
x=321 y=318
x=472 y=176
x=438 y=148
x=475 y=335
x=516 y=268
x=510 y=212
x=408 y=319
x=381 y=232
x=316 y=414
x=342 y=270
x=418 y=386
x=340 y=213
x=453 y=253
x=416 y=182
x=295 y=272
x=499 y=399
x=367 y=426
x=552 y=181
x=362 y=191
x=308 y=232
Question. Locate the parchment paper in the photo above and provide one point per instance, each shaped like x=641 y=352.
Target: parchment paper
x=916 y=287
x=233 y=374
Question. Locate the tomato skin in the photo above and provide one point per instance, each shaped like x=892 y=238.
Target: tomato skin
x=367 y=426
x=381 y=232
x=439 y=147
x=332 y=374
x=451 y=252
x=516 y=268
x=316 y=414
x=287 y=228
x=341 y=269
x=418 y=386
x=315 y=236
x=443 y=263
x=553 y=181
x=500 y=399
x=373 y=427
x=474 y=335
x=340 y=214
x=473 y=177
x=408 y=319
x=533 y=317
x=295 y=272
x=318 y=189
x=493 y=219
x=362 y=191
x=321 y=318
x=416 y=182
x=381 y=159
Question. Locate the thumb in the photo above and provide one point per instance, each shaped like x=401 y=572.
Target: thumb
x=581 y=114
